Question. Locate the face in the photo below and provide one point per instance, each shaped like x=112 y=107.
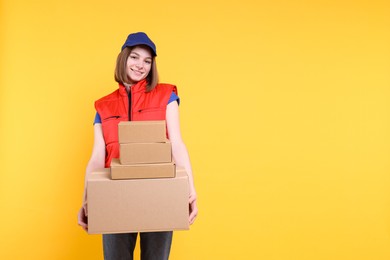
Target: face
x=138 y=64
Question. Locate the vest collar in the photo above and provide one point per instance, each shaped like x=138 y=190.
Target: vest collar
x=139 y=86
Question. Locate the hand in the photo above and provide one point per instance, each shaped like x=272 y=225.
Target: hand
x=193 y=208
x=83 y=217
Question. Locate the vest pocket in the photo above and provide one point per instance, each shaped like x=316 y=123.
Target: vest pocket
x=154 y=113
x=150 y=109
x=110 y=118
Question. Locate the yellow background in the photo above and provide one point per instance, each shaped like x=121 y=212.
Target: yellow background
x=284 y=109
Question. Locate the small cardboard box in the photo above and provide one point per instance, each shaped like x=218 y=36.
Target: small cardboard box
x=142 y=132
x=141 y=171
x=133 y=153
x=141 y=205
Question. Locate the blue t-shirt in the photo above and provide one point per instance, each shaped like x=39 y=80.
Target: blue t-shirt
x=173 y=97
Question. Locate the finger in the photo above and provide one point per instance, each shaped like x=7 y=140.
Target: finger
x=192 y=218
x=85 y=228
x=191 y=199
x=85 y=209
x=83 y=225
x=193 y=214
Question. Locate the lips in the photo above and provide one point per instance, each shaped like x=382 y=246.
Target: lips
x=137 y=72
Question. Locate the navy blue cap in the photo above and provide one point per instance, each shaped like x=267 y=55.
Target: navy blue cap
x=139 y=38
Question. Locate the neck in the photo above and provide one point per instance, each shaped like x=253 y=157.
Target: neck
x=127 y=86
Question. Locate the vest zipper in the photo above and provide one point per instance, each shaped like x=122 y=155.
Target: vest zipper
x=129 y=97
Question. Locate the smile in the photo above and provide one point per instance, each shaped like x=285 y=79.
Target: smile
x=137 y=71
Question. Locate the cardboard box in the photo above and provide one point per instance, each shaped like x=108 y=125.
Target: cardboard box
x=133 y=153
x=141 y=171
x=142 y=205
x=142 y=132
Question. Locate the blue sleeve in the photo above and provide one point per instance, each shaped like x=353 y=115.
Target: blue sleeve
x=174 y=97
x=97 y=120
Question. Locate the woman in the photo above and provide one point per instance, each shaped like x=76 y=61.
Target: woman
x=139 y=97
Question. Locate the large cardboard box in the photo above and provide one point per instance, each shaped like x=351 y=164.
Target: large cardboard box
x=133 y=153
x=141 y=205
x=141 y=171
x=142 y=131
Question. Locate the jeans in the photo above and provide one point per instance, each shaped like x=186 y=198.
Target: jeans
x=154 y=245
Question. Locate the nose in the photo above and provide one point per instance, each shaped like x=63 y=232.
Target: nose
x=139 y=64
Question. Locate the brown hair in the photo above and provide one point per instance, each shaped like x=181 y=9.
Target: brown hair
x=121 y=74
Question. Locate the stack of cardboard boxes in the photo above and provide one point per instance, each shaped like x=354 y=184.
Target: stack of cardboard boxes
x=144 y=151
x=144 y=191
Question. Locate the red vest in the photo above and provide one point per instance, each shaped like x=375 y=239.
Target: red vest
x=114 y=108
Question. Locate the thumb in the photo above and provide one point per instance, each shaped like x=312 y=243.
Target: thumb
x=85 y=207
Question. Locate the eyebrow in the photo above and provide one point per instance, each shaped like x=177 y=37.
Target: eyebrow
x=136 y=53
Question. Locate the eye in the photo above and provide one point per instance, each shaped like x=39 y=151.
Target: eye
x=133 y=57
x=148 y=62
